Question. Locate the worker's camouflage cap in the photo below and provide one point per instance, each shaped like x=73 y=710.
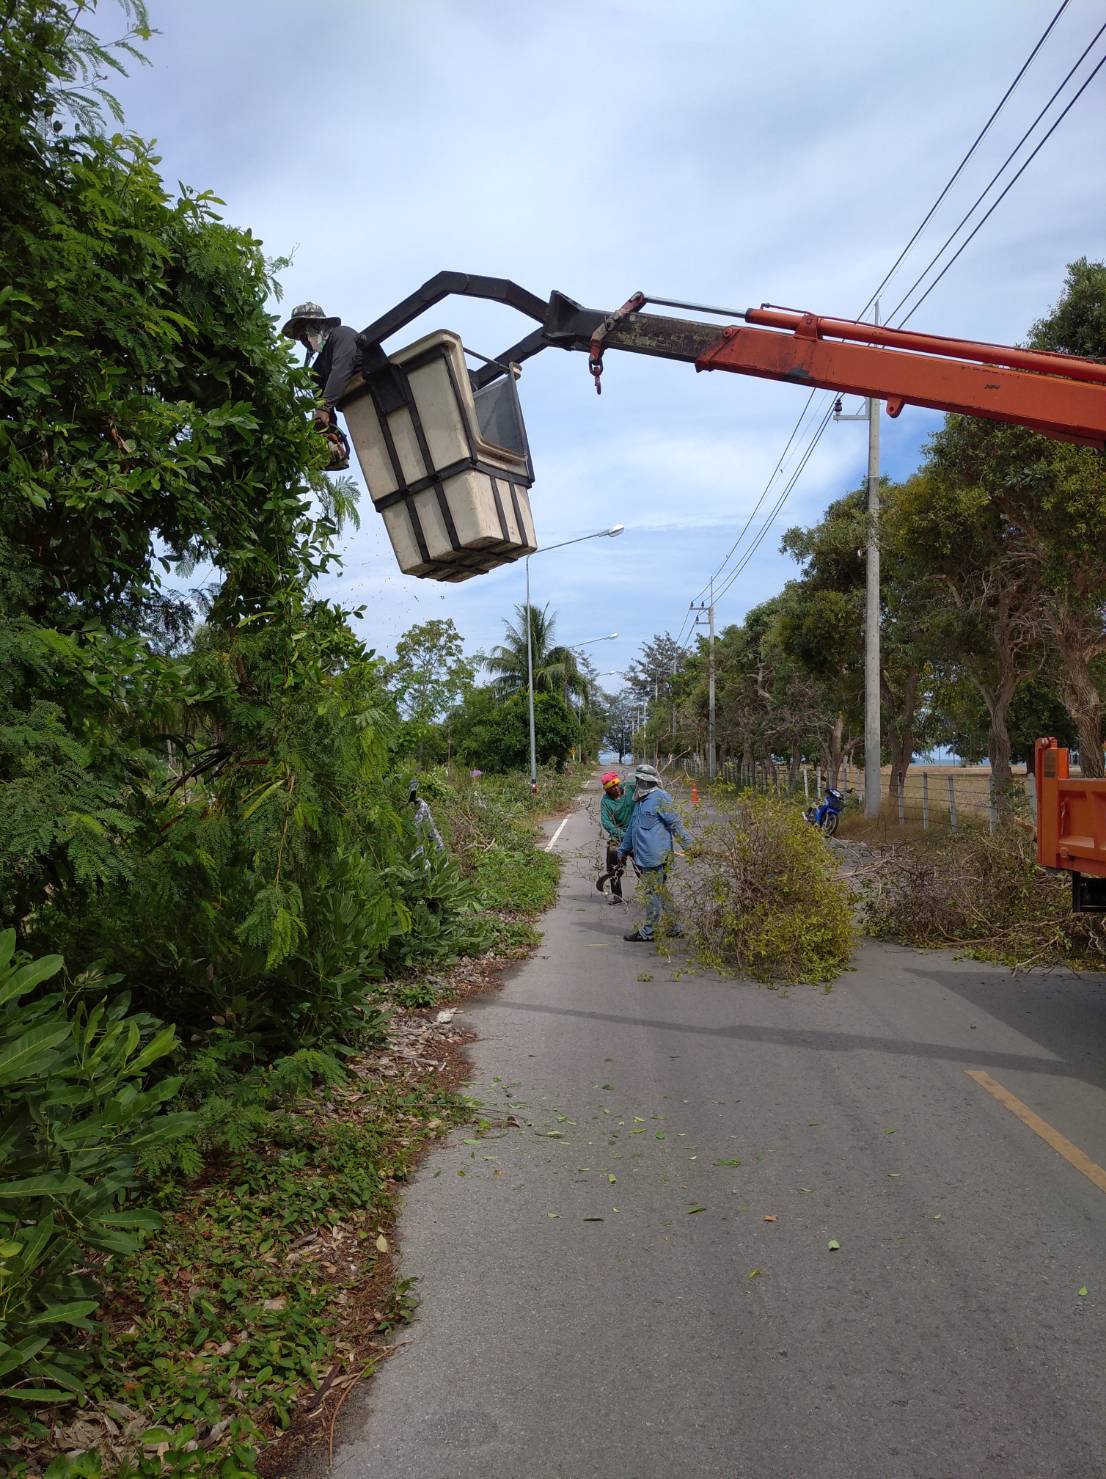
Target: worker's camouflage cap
x=647 y=775
x=307 y=313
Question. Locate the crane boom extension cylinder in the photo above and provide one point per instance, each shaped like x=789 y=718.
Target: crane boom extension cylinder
x=1065 y=409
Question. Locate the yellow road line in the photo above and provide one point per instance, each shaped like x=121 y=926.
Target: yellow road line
x=1060 y=1143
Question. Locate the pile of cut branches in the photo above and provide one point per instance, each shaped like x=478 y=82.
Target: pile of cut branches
x=767 y=899
x=982 y=893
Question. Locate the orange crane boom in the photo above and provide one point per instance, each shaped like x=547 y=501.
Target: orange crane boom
x=1061 y=396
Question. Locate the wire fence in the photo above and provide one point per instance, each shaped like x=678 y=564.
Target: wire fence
x=934 y=795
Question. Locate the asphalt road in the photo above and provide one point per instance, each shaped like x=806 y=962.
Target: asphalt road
x=638 y=1280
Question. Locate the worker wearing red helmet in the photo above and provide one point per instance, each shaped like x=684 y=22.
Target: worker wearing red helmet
x=615 y=811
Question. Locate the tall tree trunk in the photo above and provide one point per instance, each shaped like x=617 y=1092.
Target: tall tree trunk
x=1084 y=703
x=901 y=737
x=794 y=765
x=997 y=700
x=748 y=756
x=834 y=749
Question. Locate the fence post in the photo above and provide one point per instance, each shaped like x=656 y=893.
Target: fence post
x=776 y=773
x=925 y=800
x=1031 y=794
x=806 y=784
x=952 y=800
x=818 y=782
x=991 y=804
x=902 y=802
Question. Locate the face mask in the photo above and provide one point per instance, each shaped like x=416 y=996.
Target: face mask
x=316 y=338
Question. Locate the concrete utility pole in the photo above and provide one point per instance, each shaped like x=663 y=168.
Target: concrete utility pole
x=708 y=607
x=871 y=623
x=872 y=745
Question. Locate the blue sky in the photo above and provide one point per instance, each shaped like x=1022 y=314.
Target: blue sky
x=725 y=153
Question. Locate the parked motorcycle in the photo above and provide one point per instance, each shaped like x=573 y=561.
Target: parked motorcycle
x=828 y=814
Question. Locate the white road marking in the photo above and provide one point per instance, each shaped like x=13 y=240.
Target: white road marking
x=556 y=834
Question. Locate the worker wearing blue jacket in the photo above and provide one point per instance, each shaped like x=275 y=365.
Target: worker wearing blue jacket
x=653 y=822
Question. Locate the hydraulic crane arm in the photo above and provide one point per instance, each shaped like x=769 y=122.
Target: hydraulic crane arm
x=1059 y=395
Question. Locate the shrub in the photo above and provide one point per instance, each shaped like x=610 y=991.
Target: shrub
x=768 y=900
x=490 y=830
x=984 y=893
x=75 y=1116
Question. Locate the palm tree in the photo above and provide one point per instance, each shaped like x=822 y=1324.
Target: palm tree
x=556 y=669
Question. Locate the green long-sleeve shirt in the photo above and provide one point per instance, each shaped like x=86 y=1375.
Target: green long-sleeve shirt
x=615 y=815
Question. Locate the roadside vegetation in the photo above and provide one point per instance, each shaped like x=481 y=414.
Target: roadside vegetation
x=195 y=1238
x=221 y=952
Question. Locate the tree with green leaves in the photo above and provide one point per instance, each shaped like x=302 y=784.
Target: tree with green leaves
x=492 y=733
x=430 y=676
x=984 y=594
x=556 y=668
x=209 y=813
x=430 y=673
x=1054 y=494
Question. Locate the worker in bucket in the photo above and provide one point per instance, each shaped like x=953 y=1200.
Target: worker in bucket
x=614 y=818
x=653 y=824
x=332 y=346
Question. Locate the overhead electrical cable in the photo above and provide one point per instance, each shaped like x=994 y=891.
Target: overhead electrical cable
x=772 y=513
x=764 y=494
x=887 y=277
x=729 y=579
x=952 y=179
x=1003 y=194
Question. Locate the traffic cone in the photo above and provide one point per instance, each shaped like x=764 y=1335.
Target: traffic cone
x=694 y=794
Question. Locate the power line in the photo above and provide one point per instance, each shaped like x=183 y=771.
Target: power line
x=764 y=494
x=1010 y=184
x=747 y=556
x=887 y=277
x=959 y=168
x=751 y=551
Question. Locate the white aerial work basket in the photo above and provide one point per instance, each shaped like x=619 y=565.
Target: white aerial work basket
x=448 y=467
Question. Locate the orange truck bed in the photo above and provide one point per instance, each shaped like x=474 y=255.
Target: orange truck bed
x=1071 y=825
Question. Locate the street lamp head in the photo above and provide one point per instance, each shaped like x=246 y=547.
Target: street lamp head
x=615 y=529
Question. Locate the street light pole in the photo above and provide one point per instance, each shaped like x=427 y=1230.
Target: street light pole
x=530 y=685
x=610 y=533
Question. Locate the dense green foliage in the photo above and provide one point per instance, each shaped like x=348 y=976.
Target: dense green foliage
x=770 y=902
x=75 y=1118
x=493 y=733
x=486 y=726
x=211 y=813
x=203 y=791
